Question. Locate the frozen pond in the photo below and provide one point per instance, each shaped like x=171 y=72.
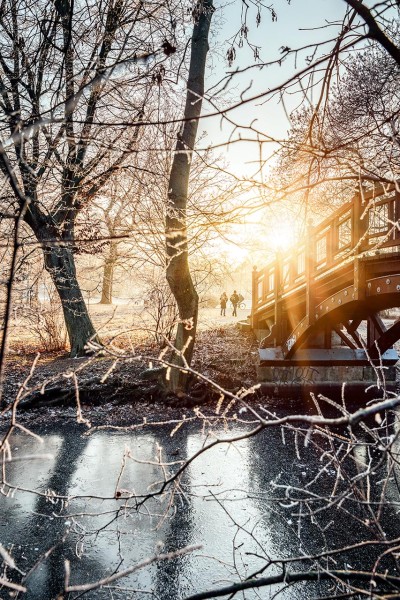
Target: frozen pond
x=228 y=501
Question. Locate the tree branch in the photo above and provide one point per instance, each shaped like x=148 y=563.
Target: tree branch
x=374 y=31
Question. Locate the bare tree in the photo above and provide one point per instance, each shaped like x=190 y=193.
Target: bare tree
x=62 y=105
x=178 y=272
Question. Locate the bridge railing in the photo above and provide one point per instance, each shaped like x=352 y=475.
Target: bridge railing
x=369 y=223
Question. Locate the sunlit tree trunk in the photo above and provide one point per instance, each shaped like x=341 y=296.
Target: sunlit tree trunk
x=178 y=271
x=108 y=275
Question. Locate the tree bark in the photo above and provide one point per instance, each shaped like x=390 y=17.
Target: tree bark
x=60 y=264
x=57 y=243
x=108 y=275
x=107 y=283
x=178 y=270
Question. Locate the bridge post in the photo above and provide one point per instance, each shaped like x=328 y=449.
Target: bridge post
x=278 y=299
x=309 y=272
x=360 y=223
x=360 y=243
x=254 y=293
x=396 y=211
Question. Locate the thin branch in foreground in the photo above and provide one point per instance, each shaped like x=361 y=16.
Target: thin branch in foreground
x=288 y=577
x=12 y=586
x=107 y=580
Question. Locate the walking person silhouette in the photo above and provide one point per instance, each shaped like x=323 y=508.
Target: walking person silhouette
x=235 y=301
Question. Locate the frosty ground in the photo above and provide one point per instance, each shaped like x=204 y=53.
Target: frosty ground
x=112 y=386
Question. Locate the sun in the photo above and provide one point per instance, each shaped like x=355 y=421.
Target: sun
x=281 y=235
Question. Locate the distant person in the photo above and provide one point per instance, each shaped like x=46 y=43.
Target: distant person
x=223 y=300
x=235 y=300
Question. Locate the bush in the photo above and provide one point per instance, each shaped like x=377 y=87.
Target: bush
x=46 y=323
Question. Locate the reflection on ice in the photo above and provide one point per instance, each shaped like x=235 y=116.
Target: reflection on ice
x=233 y=500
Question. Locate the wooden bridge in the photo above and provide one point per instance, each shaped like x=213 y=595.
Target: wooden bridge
x=319 y=303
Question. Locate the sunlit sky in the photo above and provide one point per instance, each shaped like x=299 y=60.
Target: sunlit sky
x=298 y=24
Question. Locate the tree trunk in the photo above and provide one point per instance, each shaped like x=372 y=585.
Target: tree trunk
x=57 y=242
x=60 y=264
x=178 y=271
x=108 y=275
